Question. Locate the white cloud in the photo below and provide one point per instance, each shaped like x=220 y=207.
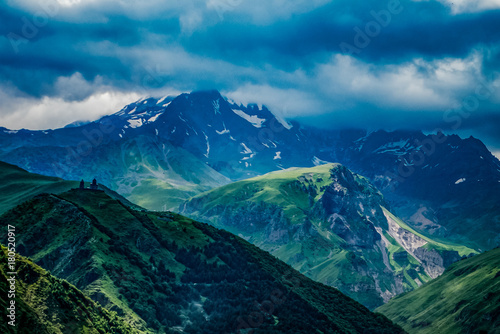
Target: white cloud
x=343 y=85
x=281 y=101
x=356 y=93
x=47 y=112
x=73 y=98
x=192 y=14
x=190 y=21
x=267 y=11
x=415 y=85
x=75 y=87
x=496 y=154
x=469 y=6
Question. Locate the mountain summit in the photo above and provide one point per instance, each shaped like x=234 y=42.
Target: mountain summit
x=179 y=147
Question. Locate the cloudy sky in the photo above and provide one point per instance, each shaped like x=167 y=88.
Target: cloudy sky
x=377 y=64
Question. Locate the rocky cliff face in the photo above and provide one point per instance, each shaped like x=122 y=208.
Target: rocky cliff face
x=464 y=299
x=436 y=262
x=351 y=208
x=432 y=256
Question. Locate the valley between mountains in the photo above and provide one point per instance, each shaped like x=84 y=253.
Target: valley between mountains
x=162 y=273
x=216 y=217
x=333 y=226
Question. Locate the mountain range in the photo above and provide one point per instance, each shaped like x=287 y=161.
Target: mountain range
x=441 y=185
x=374 y=214
x=332 y=225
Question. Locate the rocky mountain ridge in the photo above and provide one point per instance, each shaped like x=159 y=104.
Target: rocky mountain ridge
x=331 y=225
x=179 y=147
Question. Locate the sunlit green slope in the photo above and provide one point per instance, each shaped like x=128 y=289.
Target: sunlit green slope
x=465 y=299
x=330 y=224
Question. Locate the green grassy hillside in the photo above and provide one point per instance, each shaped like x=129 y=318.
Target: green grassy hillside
x=164 y=273
x=18 y=185
x=157 y=176
x=465 y=299
x=331 y=225
x=45 y=304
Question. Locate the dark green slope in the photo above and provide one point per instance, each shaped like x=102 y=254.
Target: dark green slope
x=164 y=273
x=465 y=299
x=45 y=304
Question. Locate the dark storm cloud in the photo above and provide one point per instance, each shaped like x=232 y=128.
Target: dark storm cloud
x=483 y=125
x=421 y=29
x=32 y=57
x=282 y=42
x=422 y=56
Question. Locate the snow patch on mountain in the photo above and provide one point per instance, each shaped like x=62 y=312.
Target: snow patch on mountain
x=406 y=163
x=394 y=147
x=208 y=145
x=154 y=118
x=246 y=150
x=254 y=119
x=250 y=157
x=230 y=101
x=223 y=131
x=216 y=106
x=283 y=122
x=163 y=100
x=135 y=123
x=124 y=111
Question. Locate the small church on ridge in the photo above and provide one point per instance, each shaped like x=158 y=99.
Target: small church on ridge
x=93 y=185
